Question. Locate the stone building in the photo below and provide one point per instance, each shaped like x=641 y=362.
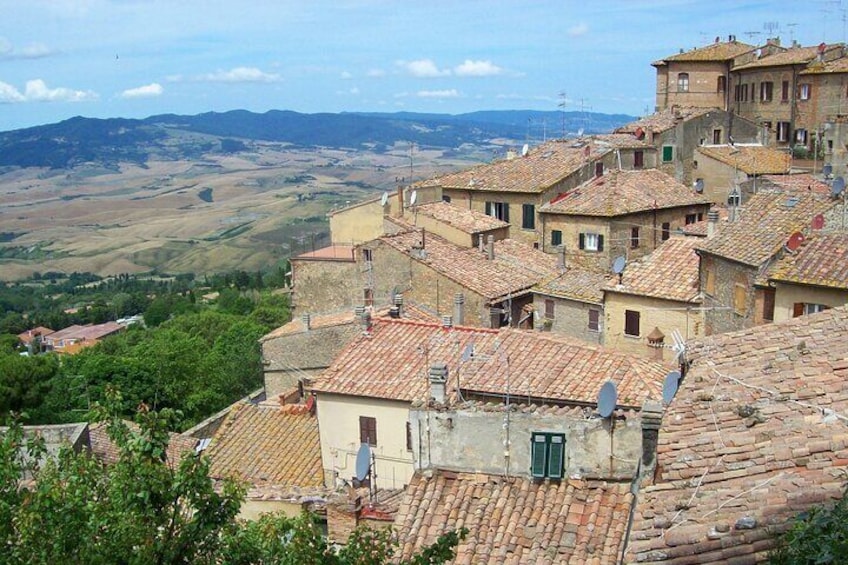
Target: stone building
x=460 y=226
x=327 y=280
x=620 y=213
x=721 y=168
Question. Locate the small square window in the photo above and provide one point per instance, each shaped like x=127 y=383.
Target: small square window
x=550 y=309
x=591 y=242
x=547 y=455
x=556 y=237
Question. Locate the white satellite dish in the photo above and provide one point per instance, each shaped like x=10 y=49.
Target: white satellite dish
x=838 y=186
x=619 y=264
x=468 y=352
x=363 y=462
x=525 y=150
x=384 y=199
x=672 y=381
x=413 y=197
x=607 y=399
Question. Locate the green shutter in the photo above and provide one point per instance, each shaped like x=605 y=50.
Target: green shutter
x=668 y=153
x=556 y=457
x=537 y=456
x=506 y=212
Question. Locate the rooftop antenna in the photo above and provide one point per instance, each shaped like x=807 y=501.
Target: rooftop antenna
x=770 y=28
x=618 y=266
x=791 y=32
x=563 y=99
x=752 y=34
x=411 y=152
x=670 y=386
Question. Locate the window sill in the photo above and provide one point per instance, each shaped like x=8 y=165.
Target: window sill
x=628 y=336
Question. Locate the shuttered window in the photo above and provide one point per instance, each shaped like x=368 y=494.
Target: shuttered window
x=368 y=430
x=547 y=455
x=528 y=216
x=556 y=237
x=631 y=323
x=668 y=153
x=594 y=320
x=590 y=242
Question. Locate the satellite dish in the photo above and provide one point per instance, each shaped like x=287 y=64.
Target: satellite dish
x=795 y=241
x=818 y=221
x=414 y=197
x=363 y=462
x=838 y=186
x=384 y=199
x=672 y=381
x=618 y=265
x=699 y=186
x=606 y=399
x=827 y=170
x=525 y=150
x=468 y=352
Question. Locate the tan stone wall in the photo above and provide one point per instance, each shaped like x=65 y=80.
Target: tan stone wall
x=756 y=110
x=720 y=315
x=786 y=295
x=571 y=318
x=667 y=315
x=662 y=88
x=325 y=286
x=253 y=509
x=718 y=177
x=703 y=85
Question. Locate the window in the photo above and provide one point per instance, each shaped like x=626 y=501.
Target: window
x=631 y=323
x=683 y=82
x=594 y=320
x=709 y=275
x=408 y=436
x=550 y=309
x=766 y=91
x=547 y=455
x=591 y=242
x=813 y=308
x=446 y=198
x=638 y=159
x=668 y=153
x=691 y=218
x=721 y=84
x=528 y=216
x=666 y=230
x=784 y=91
x=499 y=210
x=556 y=237
x=801 y=136
x=368 y=430
x=783 y=131
x=716 y=136
x=634 y=237
x=736 y=93
x=804 y=91
x=768 y=305
x=599 y=169
x=740 y=297
x=367 y=255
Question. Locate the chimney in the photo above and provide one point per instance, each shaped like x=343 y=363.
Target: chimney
x=400 y=201
x=712 y=223
x=447 y=321
x=364 y=318
x=561 y=257
x=394 y=312
x=495 y=316
x=490 y=248
x=438 y=382
x=510 y=154
x=399 y=304
x=306 y=319
x=733 y=201
x=459 y=308
x=652 y=413
x=481 y=244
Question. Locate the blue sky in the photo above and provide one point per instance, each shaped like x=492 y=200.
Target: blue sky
x=136 y=58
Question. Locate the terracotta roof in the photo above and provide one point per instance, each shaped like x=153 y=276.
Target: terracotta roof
x=822 y=260
x=29 y=335
x=334 y=252
x=618 y=193
x=87 y=332
x=577 y=282
x=105 y=450
x=750 y=159
x=665 y=119
x=393 y=362
x=757 y=433
x=700 y=228
x=763 y=226
x=621 y=140
x=719 y=51
x=791 y=56
x=268 y=446
x=516 y=266
x=516 y=521
x=543 y=167
x=463 y=219
x=836 y=66
x=670 y=272
x=803 y=182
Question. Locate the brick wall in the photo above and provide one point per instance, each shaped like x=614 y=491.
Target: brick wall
x=703 y=84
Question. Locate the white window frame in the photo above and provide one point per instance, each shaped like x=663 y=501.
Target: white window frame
x=590 y=241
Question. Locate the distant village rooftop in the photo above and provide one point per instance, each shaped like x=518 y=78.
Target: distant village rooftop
x=665 y=119
x=750 y=159
x=822 y=260
x=671 y=272
x=718 y=51
x=463 y=219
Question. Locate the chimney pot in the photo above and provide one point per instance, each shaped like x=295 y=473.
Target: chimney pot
x=561 y=257
x=438 y=382
x=447 y=321
x=490 y=247
x=652 y=413
x=459 y=308
x=712 y=222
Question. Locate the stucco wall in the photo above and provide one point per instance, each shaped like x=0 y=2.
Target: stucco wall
x=718 y=177
x=571 y=318
x=338 y=424
x=787 y=294
x=474 y=441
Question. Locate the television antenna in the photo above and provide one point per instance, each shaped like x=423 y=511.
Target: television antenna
x=563 y=99
x=670 y=386
x=607 y=398
x=771 y=27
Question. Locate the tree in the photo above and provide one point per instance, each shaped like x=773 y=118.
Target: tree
x=819 y=535
x=148 y=509
x=25 y=381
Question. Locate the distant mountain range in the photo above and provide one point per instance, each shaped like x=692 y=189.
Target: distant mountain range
x=168 y=136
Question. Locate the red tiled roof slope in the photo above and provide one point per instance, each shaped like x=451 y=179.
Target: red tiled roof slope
x=516 y=521
x=665 y=119
x=671 y=272
x=757 y=433
x=822 y=260
x=718 y=51
x=750 y=159
x=464 y=219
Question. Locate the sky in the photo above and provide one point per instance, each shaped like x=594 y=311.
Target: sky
x=137 y=58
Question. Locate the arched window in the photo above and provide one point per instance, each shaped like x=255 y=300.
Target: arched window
x=683 y=82
x=722 y=84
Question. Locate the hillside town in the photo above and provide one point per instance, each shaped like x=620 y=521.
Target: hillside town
x=616 y=348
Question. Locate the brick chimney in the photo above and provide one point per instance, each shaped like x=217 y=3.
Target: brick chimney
x=490 y=247
x=712 y=223
x=652 y=413
x=438 y=382
x=459 y=308
x=561 y=258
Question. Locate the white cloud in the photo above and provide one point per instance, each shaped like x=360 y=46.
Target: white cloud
x=352 y=91
x=346 y=75
x=449 y=93
x=376 y=73
x=147 y=91
x=240 y=74
x=33 y=51
x=424 y=68
x=5 y=47
x=37 y=90
x=9 y=93
x=577 y=30
x=471 y=68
